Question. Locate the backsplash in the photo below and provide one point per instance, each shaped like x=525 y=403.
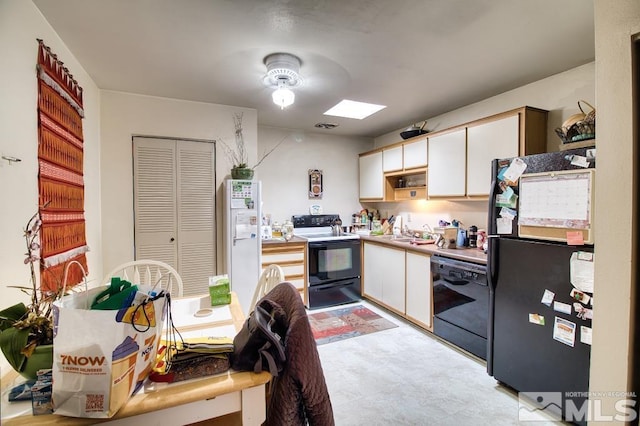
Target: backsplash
x=415 y=214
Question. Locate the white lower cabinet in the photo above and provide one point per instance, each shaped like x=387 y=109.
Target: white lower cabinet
x=399 y=280
x=384 y=276
x=419 y=288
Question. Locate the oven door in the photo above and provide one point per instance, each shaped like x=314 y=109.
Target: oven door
x=333 y=260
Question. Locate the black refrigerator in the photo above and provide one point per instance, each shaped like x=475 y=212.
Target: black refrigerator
x=539 y=246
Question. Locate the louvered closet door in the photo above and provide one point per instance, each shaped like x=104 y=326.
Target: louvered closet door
x=196 y=215
x=174 y=192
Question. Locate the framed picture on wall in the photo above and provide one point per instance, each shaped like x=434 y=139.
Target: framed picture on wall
x=315 y=184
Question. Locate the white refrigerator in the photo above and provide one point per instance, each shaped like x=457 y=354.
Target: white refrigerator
x=243 y=243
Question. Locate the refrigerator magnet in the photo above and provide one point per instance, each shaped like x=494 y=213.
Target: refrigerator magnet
x=503 y=200
x=579 y=296
x=508 y=192
x=585 y=335
x=578 y=160
x=501 y=173
x=564 y=331
x=565 y=308
x=547 y=297
x=583 y=313
x=508 y=213
x=536 y=319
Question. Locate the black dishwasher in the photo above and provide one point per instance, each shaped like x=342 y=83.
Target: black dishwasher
x=461 y=303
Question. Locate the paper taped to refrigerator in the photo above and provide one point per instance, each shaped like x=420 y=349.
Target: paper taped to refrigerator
x=246 y=225
x=585 y=335
x=515 y=170
x=504 y=225
x=582 y=271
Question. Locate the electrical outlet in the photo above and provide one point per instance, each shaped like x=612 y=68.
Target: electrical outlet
x=408 y=217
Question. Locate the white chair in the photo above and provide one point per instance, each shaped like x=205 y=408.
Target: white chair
x=150 y=273
x=270 y=277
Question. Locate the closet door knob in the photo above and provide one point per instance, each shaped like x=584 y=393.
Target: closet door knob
x=172 y=239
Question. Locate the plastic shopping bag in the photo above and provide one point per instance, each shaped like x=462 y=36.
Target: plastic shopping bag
x=101 y=356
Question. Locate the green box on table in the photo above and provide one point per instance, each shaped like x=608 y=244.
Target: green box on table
x=219 y=290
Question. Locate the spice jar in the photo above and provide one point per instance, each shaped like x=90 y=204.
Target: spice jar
x=287 y=230
x=276 y=230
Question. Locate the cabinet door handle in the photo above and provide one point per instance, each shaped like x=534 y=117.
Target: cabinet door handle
x=172 y=239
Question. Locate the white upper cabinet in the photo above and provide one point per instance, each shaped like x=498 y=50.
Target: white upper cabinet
x=392 y=159
x=415 y=154
x=446 y=174
x=485 y=142
x=455 y=161
x=371 y=176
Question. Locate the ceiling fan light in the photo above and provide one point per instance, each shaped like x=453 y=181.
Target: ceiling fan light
x=282 y=73
x=283 y=97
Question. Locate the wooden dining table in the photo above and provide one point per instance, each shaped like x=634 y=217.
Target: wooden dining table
x=234 y=397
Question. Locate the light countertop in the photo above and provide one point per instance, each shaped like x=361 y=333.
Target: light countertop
x=278 y=241
x=473 y=255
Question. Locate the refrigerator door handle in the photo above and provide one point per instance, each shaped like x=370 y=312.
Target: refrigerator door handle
x=491 y=226
x=492 y=256
x=492 y=229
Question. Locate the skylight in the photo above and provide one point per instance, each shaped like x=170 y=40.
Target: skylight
x=353 y=109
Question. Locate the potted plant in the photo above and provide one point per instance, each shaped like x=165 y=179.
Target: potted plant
x=239 y=157
x=26 y=332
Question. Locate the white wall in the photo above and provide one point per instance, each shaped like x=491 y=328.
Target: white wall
x=616 y=192
x=125 y=115
x=285 y=173
x=558 y=94
x=20 y=24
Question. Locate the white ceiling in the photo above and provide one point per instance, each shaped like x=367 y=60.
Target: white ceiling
x=421 y=58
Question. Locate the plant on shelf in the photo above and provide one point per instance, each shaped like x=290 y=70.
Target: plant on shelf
x=238 y=156
x=26 y=332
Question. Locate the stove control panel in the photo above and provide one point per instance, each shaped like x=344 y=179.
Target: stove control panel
x=313 y=220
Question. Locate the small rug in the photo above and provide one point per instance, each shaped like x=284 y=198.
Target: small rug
x=344 y=323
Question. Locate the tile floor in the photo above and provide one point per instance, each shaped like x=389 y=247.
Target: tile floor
x=404 y=376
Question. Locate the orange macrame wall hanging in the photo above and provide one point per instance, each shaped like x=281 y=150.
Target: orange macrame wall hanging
x=60 y=172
